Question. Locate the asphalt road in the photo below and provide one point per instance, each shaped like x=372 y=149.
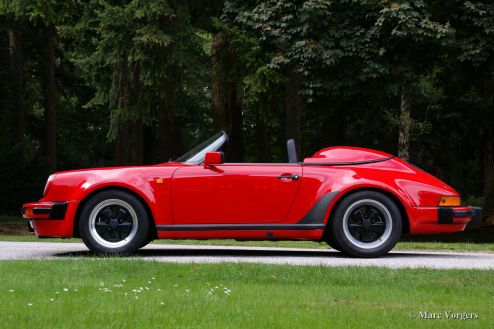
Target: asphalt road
x=292 y=256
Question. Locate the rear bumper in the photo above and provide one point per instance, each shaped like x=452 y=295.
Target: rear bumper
x=476 y=219
x=431 y=220
x=454 y=215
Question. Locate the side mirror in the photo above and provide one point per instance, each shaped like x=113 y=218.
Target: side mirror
x=212 y=159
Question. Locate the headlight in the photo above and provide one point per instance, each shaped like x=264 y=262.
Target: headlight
x=48 y=184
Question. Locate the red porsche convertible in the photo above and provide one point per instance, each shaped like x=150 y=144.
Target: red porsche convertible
x=359 y=201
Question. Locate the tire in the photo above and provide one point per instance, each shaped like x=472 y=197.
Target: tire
x=146 y=242
x=366 y=224
x=330 y=240
x=114 y=222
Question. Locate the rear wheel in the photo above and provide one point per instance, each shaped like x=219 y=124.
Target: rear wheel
x=114 y=222
x=366 y=224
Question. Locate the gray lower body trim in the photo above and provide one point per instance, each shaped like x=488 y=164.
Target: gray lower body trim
x=316 y=214
x=234 y=227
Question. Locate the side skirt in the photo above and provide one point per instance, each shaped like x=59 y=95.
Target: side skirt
x=235 y=227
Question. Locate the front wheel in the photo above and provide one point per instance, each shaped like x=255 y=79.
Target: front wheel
x=366 y=224
x=114 y=222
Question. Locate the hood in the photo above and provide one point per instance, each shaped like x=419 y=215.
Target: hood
x=346 y=155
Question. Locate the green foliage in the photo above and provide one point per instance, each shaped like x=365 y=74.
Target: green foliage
x=136 y=45
x=120 y=62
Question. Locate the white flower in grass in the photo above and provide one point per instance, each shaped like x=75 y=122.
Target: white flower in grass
x=65 y=289
x=11 y=290
x=149 y=282
x=29 y=304
x=162 y=303
x=158 y=289
x=175 y=285
x=187 y=290
x=52 y=299
x=136 y=297
x=57 y=292
x=76 y=290
x=123 y=280
x=153 y=278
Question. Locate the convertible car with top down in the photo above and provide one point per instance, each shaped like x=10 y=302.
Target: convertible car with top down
x=359 y=201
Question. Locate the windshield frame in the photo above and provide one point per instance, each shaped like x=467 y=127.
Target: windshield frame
x=212 y=144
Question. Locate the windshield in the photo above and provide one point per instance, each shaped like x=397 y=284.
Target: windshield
x=213 y=144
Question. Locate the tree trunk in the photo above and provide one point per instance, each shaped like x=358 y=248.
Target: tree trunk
x=121 y=144
x=293 y=109
x=170 y=130
x=488 y=206
x=166 y=127
x=149 y=146
x=335 y=128
x=261 y=132
x=122 y=138
x=404 y=123
x=17 y=86
x=227 y=112
x=137 y=154
x=47 y=69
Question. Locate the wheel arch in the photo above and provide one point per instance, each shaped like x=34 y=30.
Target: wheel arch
x=83 y=202
x=392 y=196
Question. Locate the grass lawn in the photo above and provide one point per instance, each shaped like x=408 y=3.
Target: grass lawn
x=14 y=229
x=123 y=293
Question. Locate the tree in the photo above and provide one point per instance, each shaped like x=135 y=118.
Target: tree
x=475 y=39
x=226 y=96
x=17 y=84
x=138 y=55
x=44 y=16
x=409 y=42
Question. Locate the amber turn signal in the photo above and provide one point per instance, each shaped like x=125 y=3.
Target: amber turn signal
x=450 y=201
x=28 y=211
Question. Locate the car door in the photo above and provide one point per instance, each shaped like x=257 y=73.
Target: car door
x=234 y=193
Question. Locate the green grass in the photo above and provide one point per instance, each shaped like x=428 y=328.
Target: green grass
x=262 y=296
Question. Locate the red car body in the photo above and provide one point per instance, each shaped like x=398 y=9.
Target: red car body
x=250 y=200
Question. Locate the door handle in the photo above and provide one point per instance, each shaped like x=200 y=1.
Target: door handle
x=294 y=177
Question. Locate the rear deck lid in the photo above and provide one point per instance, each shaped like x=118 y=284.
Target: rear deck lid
x=342 y=155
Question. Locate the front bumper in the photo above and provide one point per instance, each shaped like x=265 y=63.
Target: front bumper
x=51 y=218
x=45 y=210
